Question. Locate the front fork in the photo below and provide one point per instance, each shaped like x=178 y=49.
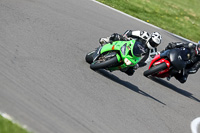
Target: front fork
x=152 y=54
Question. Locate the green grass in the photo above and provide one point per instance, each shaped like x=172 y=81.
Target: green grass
x=7 y=126
x=181 y=17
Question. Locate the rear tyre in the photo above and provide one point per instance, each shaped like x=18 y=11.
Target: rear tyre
x=155 y=69
x=105 y=64
x=89 y=57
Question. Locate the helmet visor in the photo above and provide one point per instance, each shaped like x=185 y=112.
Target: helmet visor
x=198 y=49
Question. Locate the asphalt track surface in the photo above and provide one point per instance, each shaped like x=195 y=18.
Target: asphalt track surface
x=46 y=84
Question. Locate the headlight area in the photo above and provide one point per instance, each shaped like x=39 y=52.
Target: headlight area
x=127 y=62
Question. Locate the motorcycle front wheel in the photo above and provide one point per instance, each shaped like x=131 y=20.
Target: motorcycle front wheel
x=98 y=64
x=155 y=69
x=89 y=57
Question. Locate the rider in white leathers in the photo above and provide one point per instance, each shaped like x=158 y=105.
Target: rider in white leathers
x=149 y=47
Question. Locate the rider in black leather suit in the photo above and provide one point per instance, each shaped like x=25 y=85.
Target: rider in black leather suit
x=194 y=62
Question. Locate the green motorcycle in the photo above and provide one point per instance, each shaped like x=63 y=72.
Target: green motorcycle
x=112 y=56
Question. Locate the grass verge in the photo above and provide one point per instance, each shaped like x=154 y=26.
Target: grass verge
x=7 y=126
x=181 y=17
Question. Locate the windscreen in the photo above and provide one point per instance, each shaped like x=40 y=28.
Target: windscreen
x=139 y=48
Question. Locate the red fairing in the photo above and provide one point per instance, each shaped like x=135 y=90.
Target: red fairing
x=161 y=61
x=154 y=59
x=157 y=60
x=163 y=73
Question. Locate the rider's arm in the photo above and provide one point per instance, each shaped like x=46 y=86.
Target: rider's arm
x=132 y=34
x=174 y=45
x=179 y=45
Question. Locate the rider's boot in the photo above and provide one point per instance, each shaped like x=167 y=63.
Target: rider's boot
x=172 y=73
x=130 y=71
x=181 y=78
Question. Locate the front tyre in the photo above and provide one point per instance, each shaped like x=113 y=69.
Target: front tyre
x=89 y=57
x=104 y=64
x=155 y=69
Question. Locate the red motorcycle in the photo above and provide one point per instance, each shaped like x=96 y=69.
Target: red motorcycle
x=168 y=63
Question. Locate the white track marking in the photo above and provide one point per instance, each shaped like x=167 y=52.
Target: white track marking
x=194 y=125
x=141 y=21
x=8 y=117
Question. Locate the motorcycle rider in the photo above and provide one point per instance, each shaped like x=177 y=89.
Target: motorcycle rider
x=193 y=63
x=149 y=43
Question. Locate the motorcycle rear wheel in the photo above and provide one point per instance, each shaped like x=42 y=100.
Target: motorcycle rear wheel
x=155 y=69
x=104 y=64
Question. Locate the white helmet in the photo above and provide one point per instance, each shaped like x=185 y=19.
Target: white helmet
x=154 y=41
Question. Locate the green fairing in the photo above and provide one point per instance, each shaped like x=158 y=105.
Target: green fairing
x=116 y=46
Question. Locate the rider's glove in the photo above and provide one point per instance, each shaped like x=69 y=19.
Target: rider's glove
x=192 y=71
